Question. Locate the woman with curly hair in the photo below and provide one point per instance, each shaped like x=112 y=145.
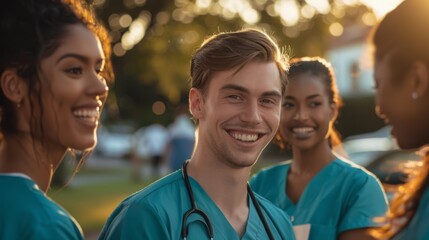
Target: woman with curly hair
x=54 y=59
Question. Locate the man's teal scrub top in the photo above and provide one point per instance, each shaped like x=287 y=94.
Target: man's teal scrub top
x=26 y=212
x=156 y=212
x=341 y=197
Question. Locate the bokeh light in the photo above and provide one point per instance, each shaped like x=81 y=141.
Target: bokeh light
x=125 y=20
x=158 y=108
x=322 y=6
x=118 y=50
x=336 y=29
x=203 y=3
x=381 y=7
x=369 y=19
x=288 y=12
x=308 y=11
x=293 y=14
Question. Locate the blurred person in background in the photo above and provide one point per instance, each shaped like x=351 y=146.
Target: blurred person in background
x=181 y=139
x=149 y=144
x=54 y=59
x=237 y=81
x=401 y=42
x=155 y=139
x=326 y=197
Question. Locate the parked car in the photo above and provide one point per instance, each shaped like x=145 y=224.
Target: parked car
x=393 y=168
x=379 y=154
x=115 y=141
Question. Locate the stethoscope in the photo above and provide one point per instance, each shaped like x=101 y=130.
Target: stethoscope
x=207 y=223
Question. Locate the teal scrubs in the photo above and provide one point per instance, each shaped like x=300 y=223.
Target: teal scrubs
x=418 y=227
x=156 y=212
x=341 y=197
x=26 y=212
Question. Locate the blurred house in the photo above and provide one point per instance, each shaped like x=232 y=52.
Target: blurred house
x=351 y=57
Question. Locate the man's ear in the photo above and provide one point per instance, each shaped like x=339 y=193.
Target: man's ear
x=196 y=103
x=13 y=86
x=420 y=81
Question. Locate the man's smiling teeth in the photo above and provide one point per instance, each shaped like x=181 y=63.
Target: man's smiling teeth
x=302 y=130
x=87 y=113
x=245 y=137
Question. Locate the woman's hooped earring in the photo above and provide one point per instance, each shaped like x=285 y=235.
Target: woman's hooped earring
x=414 y=95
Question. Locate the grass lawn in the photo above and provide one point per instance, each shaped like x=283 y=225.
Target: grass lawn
x=91 y=205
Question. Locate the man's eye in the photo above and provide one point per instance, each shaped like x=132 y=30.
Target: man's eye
x=268 y=101
x=236 y=97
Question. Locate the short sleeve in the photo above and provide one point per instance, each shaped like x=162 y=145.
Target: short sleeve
x=54 y=231
x=139 y=221
x=365 y=202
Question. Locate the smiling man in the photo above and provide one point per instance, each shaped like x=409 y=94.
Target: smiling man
x=237 y=83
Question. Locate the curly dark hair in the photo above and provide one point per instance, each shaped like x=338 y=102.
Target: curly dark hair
x=31 y=31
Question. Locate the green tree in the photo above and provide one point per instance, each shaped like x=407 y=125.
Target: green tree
x=152 y=60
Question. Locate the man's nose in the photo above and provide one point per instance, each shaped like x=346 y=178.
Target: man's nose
x=251 y=113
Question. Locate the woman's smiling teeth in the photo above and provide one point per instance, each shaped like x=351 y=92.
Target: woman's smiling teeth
x=302 y=131
x=87 y=114
x=245 y=137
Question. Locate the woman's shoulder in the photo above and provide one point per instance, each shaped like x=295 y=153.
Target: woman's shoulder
x=24 y=195
x=348 y=167
x=356 y=178
x=269 y=175
x=24 y=203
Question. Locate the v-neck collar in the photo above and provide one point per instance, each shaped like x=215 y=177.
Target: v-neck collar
x=254 y=226
x=307 y=195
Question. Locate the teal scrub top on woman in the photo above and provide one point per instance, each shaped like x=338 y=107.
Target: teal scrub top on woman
x=418 y=227
x=341 y=197
x=156 y=212
x=26 y=212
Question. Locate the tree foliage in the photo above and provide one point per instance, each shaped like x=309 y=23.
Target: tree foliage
x=156 y=68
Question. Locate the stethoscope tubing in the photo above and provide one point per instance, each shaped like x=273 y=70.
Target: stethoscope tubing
x=207 y=221
x=194 y=208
